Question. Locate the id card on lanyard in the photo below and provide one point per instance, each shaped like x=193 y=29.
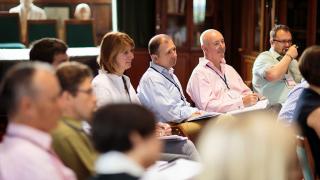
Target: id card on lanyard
x=224 y=78
x=174 y=83
x=289 y=80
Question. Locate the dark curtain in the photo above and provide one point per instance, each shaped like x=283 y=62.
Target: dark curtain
x=137 y=19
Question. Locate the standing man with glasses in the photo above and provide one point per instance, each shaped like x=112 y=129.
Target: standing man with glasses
x=276 y=71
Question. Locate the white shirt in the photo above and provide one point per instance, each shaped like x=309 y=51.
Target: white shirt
x=115 y=162
x=33 y=12
x=109 y=88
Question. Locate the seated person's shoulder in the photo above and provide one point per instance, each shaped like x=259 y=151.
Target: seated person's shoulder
x=153 y=77
x=264 y=55
x=100 y=79
x=62 y=131
x=15 y=9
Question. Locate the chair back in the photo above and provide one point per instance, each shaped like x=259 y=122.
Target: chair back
x=79 y=33
x=10 y=30
x=305 y=158
x=37 y=29
x=9 y=27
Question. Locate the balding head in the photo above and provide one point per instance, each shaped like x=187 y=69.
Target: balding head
x=213 y=46
x=155 y=42
x=82 y=12
x=30 y=93
x=162 y=51
x=208 y=35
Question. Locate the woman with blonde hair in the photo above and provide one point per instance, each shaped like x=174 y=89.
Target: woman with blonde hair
x=250 y=147
x=116 y=55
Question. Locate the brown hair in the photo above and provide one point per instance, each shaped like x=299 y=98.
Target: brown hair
x=112 y=44
x=155 y=42
x=276 y=28
x=46 y=48
x=309 y=65
x=71 y=75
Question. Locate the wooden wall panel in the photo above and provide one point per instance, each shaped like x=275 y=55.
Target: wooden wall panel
x=140 y=64
x=247 y=59
x=102 y=15
x=181 y=68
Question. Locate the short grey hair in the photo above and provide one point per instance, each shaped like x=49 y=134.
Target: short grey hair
x=18 y=82
x=204 y=33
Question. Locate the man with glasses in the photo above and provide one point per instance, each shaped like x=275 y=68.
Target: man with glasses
x=214 y=85
x=276 y=71
x=70 y=139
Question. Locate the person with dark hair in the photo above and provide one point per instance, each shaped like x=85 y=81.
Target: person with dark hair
x=307 y=110
x=70 y=140
x=31 y=92
x=275 y=72
x=159 y=88
x=125 y=135
x=50 y=50
x=111 y=86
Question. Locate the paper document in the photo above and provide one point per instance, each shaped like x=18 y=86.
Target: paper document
x=260 y=105
x=180 y=169
x=174 y=137
x=203 y=116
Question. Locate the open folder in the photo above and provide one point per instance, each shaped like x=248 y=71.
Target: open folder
x=174 y=137
x=179 y=169
x=260 y=105
x=204 y=116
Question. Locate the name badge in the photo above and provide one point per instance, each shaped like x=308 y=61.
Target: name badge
x=289 y=80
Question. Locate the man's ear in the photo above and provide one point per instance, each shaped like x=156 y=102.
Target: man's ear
x=135 y=138
x=65 y=97
x=271 y=41
x=204 y=48
x=25 y=105
x=154 y=57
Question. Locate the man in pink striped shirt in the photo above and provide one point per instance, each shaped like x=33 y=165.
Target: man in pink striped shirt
x=214 y=85
x=30 y=93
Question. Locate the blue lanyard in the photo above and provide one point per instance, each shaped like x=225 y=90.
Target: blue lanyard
x=174 y=83
x=223 y=79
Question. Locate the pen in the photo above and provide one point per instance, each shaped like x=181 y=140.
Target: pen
x=167 y=165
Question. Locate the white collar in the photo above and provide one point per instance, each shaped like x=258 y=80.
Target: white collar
x=115 y=162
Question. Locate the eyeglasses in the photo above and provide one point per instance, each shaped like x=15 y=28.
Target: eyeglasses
x=88 y=91
x=283 y=41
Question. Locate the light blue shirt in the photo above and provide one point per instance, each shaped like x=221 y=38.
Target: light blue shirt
x=288 y=108
x=275 y=91
x=160 y=91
